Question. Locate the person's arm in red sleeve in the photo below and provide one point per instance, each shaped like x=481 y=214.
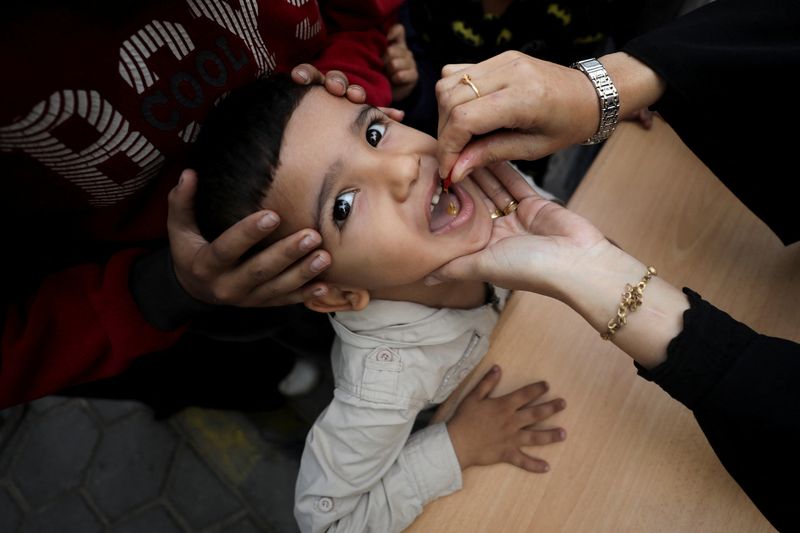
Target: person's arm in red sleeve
x=357 y=42
x=81 y=324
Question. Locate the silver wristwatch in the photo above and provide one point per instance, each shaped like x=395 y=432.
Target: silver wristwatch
x=608 y=95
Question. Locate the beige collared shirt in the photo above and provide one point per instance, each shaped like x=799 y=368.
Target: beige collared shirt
x=360 y=471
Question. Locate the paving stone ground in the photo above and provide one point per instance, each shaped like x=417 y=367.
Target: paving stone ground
x=76 y=465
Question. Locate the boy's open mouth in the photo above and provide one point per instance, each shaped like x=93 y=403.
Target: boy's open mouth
x=444 y=206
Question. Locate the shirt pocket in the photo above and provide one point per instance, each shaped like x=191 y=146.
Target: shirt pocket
x=473 y=353
x=382 y=367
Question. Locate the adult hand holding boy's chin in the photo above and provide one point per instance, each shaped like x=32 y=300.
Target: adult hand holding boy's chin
x=532 y=249
x=214 y=272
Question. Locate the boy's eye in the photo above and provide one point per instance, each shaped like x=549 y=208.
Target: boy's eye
x=342 y=207
x=375 y=133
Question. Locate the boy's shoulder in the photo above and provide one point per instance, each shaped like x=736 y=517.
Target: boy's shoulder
x=407 y=355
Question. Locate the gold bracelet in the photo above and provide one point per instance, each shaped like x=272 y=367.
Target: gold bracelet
x=631 y=300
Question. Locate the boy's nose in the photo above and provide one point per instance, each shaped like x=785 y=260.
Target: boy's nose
x=400 y=174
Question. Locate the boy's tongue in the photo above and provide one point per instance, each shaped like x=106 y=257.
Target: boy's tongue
x=442 y=215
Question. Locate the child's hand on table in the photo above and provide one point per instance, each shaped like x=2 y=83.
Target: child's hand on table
x=486 y=430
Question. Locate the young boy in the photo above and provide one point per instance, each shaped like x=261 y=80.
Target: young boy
x=370 y=186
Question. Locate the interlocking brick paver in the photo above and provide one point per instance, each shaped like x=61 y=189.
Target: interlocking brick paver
x=83 y=465
x=243 y=526
x=270 y=487
x=196 y=492
x=45 y=404
x=57 y=450
x=110 y=410
x=155 y=519
x=67 y=514
x=130 y=464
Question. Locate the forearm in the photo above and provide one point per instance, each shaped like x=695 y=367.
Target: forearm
x=638 y=85
x=375 y=477
x=80 y=324
x=593 y=287
x=159 y=295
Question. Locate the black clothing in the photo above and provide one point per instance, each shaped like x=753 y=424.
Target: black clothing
x=741 y=387
x=727 y=67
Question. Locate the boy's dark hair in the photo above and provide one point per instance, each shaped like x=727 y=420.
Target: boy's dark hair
x=238 y=151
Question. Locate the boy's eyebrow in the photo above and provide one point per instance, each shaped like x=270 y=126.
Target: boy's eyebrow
x=333 y=171
x=325 y=191
x=361 y=118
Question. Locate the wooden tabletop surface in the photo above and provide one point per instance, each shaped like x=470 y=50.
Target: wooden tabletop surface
x=634 y=459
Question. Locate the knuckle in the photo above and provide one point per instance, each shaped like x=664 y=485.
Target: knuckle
x=259 y=274
x=200 y=272
x=222 y=294
x=271 y=292
x=491 y=157
x=442 y=92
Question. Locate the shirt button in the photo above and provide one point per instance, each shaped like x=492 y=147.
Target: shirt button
x=325 y=504
x=384 y=356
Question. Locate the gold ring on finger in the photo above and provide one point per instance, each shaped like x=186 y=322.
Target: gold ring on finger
x=466 y=80
x=496 y=213
x=510 y=208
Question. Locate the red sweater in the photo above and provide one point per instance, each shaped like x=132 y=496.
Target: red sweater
x=96 y=113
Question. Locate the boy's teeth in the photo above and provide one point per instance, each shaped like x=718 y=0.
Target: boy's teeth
x=436 y=196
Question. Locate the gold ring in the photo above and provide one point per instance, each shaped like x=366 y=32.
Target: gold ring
x=510 y=208
x=466 y=80
x=496 y=214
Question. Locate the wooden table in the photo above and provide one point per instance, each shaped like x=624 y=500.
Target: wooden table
x=634 y=460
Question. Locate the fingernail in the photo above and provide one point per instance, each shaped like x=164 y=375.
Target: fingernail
x=430 y=281
x=495 y=369
x=309 y=242
x=461 y=172
x=545 y=468
x=268 y=221
x=303 y=75
x=339 y=82
x=320 y=291
x=319 y=264
x=180 y=180
x=562 y=434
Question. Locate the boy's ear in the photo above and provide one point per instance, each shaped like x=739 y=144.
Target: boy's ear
x=339 y=299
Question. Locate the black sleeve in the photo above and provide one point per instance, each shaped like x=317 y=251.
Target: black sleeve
x=159 y=295
x=743 y=390
x=730 y=68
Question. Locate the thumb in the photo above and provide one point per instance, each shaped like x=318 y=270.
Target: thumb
x=487 y=384
x=180 y=217
x=461 y=268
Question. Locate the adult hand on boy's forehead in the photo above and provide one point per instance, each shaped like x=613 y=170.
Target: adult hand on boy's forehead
x=215 y=272
x=336 y=83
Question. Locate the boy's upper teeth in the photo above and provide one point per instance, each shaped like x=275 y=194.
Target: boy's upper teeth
x=436 y=196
